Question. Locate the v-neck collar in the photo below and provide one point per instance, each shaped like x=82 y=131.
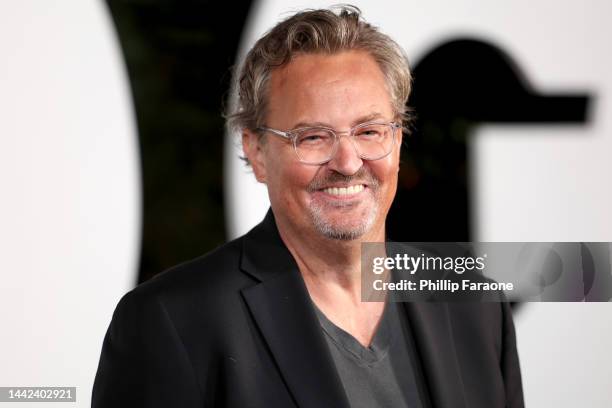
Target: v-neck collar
x=378 y=348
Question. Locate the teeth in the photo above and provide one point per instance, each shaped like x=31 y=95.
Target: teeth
x=344 y=190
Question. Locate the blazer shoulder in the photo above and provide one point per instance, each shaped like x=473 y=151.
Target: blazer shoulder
x=211 y=275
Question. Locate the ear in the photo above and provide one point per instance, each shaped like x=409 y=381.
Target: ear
x=253 y=149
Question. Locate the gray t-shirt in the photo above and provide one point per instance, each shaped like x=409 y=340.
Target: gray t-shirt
x=381 y=375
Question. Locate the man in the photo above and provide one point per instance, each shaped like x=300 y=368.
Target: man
x=275 y=318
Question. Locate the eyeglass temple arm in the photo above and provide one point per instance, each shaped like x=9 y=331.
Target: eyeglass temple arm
x=286 y=135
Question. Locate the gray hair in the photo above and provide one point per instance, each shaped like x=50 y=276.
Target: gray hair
x=316 y=31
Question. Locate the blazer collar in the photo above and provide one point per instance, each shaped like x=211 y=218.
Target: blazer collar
x=432 y=331
x=431 y=327
x=263 y=252
x=283 y=311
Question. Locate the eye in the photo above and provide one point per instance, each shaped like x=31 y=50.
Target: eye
x=370 y=132
x=313 y=137
x=310 y=138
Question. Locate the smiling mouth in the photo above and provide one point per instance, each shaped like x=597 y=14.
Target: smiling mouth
x=343 y=191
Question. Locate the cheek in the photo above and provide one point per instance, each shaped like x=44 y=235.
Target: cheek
x=387 y=173
x=387 y=169
x=288 y=181
x=296 y=183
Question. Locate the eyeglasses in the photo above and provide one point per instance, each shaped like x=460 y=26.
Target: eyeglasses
x=317 y=145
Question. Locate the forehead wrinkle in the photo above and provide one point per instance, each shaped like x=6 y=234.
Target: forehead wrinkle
x=362 y=118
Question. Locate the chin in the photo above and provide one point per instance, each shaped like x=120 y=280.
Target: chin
x=339 y=228
x=341 y=234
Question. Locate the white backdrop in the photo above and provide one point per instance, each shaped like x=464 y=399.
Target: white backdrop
x=69 y=191
x=532 y=183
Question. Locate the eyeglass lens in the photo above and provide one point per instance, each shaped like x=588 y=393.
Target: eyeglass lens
x=316 y=145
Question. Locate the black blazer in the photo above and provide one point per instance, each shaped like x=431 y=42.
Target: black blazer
x=236 y=328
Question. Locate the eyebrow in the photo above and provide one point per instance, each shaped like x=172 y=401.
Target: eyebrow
x=362 y=119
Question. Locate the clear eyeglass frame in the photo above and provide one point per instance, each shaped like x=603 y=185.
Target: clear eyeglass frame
x=292 y=135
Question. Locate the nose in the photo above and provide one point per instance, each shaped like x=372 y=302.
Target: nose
x=345 y=160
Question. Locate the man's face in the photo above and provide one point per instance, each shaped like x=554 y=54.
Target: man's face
x=337 y=91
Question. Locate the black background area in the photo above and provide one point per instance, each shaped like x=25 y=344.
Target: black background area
x=458 y=85
x=178 y=56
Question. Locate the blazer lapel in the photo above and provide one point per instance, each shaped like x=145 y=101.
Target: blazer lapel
x=282 y=310
x=433 y=336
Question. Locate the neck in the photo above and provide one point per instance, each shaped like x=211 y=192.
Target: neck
x=327 y=265
x=332 y=273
